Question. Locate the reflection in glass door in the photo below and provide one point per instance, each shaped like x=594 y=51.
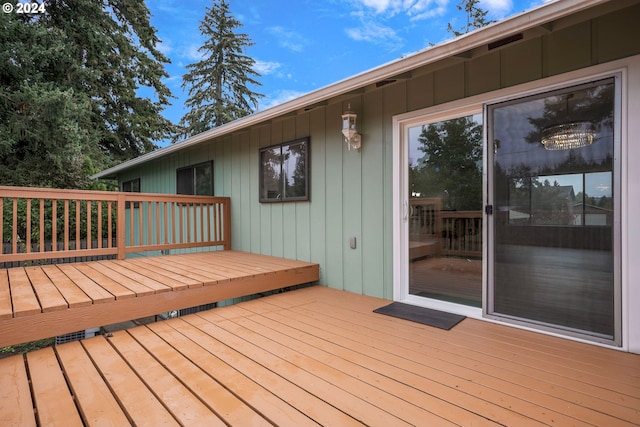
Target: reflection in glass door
x=554 y=203
x=445 y=210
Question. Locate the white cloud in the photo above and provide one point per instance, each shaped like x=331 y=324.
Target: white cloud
x=419 y=9
x=373 y=32
x=279 y=97
x=266 y=67
x=165 y=47
x=288 y=39
x=191 y=53
x=427 y=10
x=380 y=6
x=498 y=8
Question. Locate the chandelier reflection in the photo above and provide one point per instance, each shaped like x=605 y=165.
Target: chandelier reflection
x=568 y=135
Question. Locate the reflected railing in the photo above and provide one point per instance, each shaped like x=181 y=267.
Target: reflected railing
x=452 y=233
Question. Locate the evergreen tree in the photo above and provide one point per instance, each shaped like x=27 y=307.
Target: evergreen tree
x=476 y=17
x=218 y=84
x=69 y=82
x=451 y=167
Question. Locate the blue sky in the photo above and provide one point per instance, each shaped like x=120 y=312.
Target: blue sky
x=303 y=45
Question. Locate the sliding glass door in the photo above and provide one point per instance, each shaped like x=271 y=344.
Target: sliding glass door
x=554 y=229
x=445 y=209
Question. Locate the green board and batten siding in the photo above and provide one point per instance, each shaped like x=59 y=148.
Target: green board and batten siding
x=351 y=192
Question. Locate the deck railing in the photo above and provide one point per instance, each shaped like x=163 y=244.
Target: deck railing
x=455 y=233
x=39 y=223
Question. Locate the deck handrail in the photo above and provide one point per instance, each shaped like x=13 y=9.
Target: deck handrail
x=44 y=223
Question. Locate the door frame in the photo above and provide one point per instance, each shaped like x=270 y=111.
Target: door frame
x=629 y=71
x=488 y=305
x=401 y=125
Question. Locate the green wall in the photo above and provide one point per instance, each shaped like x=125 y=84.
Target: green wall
x=351 y=192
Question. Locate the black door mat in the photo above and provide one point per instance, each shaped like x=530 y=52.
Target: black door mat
x=426 y=316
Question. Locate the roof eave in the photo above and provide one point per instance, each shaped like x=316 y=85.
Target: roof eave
x=482 y=36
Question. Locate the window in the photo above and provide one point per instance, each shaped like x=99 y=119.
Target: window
x=284 y=172
x=195 y=179
x=132 y=186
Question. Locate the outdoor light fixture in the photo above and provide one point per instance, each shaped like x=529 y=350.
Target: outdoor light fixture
x=568 y=135
x=351 y=136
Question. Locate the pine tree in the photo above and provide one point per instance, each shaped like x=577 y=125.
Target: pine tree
x=218 y=84
x=69 y=82
x=476 y=17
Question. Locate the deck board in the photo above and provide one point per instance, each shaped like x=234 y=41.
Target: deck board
x=142 y=407
x=227 y=406
x=44 y=301
x=318 y=356
x=72 y=293
x=49 y=297
x=51 y=395
x=246 y=388
x=6 y=312
x=96 y=293
x=16 y=407
x=184 y=406
x=96 y=403
x=132 y=275
x=23 y=298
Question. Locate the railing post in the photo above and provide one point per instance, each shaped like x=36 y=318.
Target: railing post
x=121 y=224
x=227 y=224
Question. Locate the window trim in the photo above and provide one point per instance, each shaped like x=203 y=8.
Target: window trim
x=307 y=175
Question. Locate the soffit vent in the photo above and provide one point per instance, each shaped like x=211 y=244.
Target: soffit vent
x=505 y=41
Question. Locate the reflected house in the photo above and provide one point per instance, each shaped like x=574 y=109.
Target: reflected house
x=462 y=123
x=593 y=215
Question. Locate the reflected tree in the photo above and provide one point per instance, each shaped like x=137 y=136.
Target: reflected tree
x=593 y=104
x=451 y=167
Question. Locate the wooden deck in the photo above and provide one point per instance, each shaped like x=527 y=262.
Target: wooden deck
x=44 y=301
x=317 y=356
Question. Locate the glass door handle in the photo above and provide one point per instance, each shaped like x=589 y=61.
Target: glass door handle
x=405 y=211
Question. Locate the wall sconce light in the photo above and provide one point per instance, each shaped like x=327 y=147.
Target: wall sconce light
x=351 y=136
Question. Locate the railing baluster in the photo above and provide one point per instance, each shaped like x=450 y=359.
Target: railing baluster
x=166 y=222
x=41 y=242
x=202 y=239
x=173 y=222
x=209 y=222
x=66 y=225
x=99 y=233
x=28 y=236
x=88 y=215
x=109 y=224
x=217 y=224
x=78 y=224
x=140 y=225
x=14 y=224
x=1 y=225
x=190 y=210
x=54 y=225
x=149 y=240
x=181 y=207
x=156 y=209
